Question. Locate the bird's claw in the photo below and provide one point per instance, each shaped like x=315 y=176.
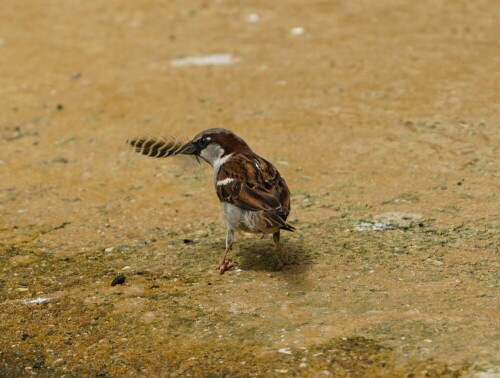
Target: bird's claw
x=282 y=263
x=225 y=265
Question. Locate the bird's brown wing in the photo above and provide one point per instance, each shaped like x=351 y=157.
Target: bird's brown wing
x=246 y=197
x=253 y=184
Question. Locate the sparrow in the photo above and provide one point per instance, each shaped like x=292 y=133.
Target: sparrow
x=254 y=197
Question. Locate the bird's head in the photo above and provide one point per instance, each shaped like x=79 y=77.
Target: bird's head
x=213 y=144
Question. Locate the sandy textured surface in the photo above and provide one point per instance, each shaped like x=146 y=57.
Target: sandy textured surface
x=383 y=116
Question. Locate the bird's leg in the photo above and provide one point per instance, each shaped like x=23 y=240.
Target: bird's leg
x=223 y=263
x=282 y=260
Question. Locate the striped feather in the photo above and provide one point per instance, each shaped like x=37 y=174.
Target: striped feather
x=157 y=147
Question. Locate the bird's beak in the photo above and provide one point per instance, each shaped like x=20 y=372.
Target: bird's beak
x=188 y=149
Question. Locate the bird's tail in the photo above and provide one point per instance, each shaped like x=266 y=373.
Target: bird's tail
x=288 y=227
x=275 y=220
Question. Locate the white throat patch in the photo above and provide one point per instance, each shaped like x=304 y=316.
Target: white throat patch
x=211 y=153
x=219 y=161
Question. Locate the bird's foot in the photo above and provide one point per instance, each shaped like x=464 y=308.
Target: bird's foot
x=282 y=261
x=225 y=265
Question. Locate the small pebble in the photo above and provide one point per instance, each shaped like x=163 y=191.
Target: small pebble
x=188 y=241
x=119 y=280
x=122 y=248
x=61 y=160
x=25 y=335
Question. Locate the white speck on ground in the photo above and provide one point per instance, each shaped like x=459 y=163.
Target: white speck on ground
x=208 y=60
x=253 y=18
x=296 y=31
x=35 y=301
x=487 y=374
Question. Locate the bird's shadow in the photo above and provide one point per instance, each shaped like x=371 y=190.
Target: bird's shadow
x=262 y=255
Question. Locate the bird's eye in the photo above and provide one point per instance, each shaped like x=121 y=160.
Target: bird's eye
x=203 y=142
